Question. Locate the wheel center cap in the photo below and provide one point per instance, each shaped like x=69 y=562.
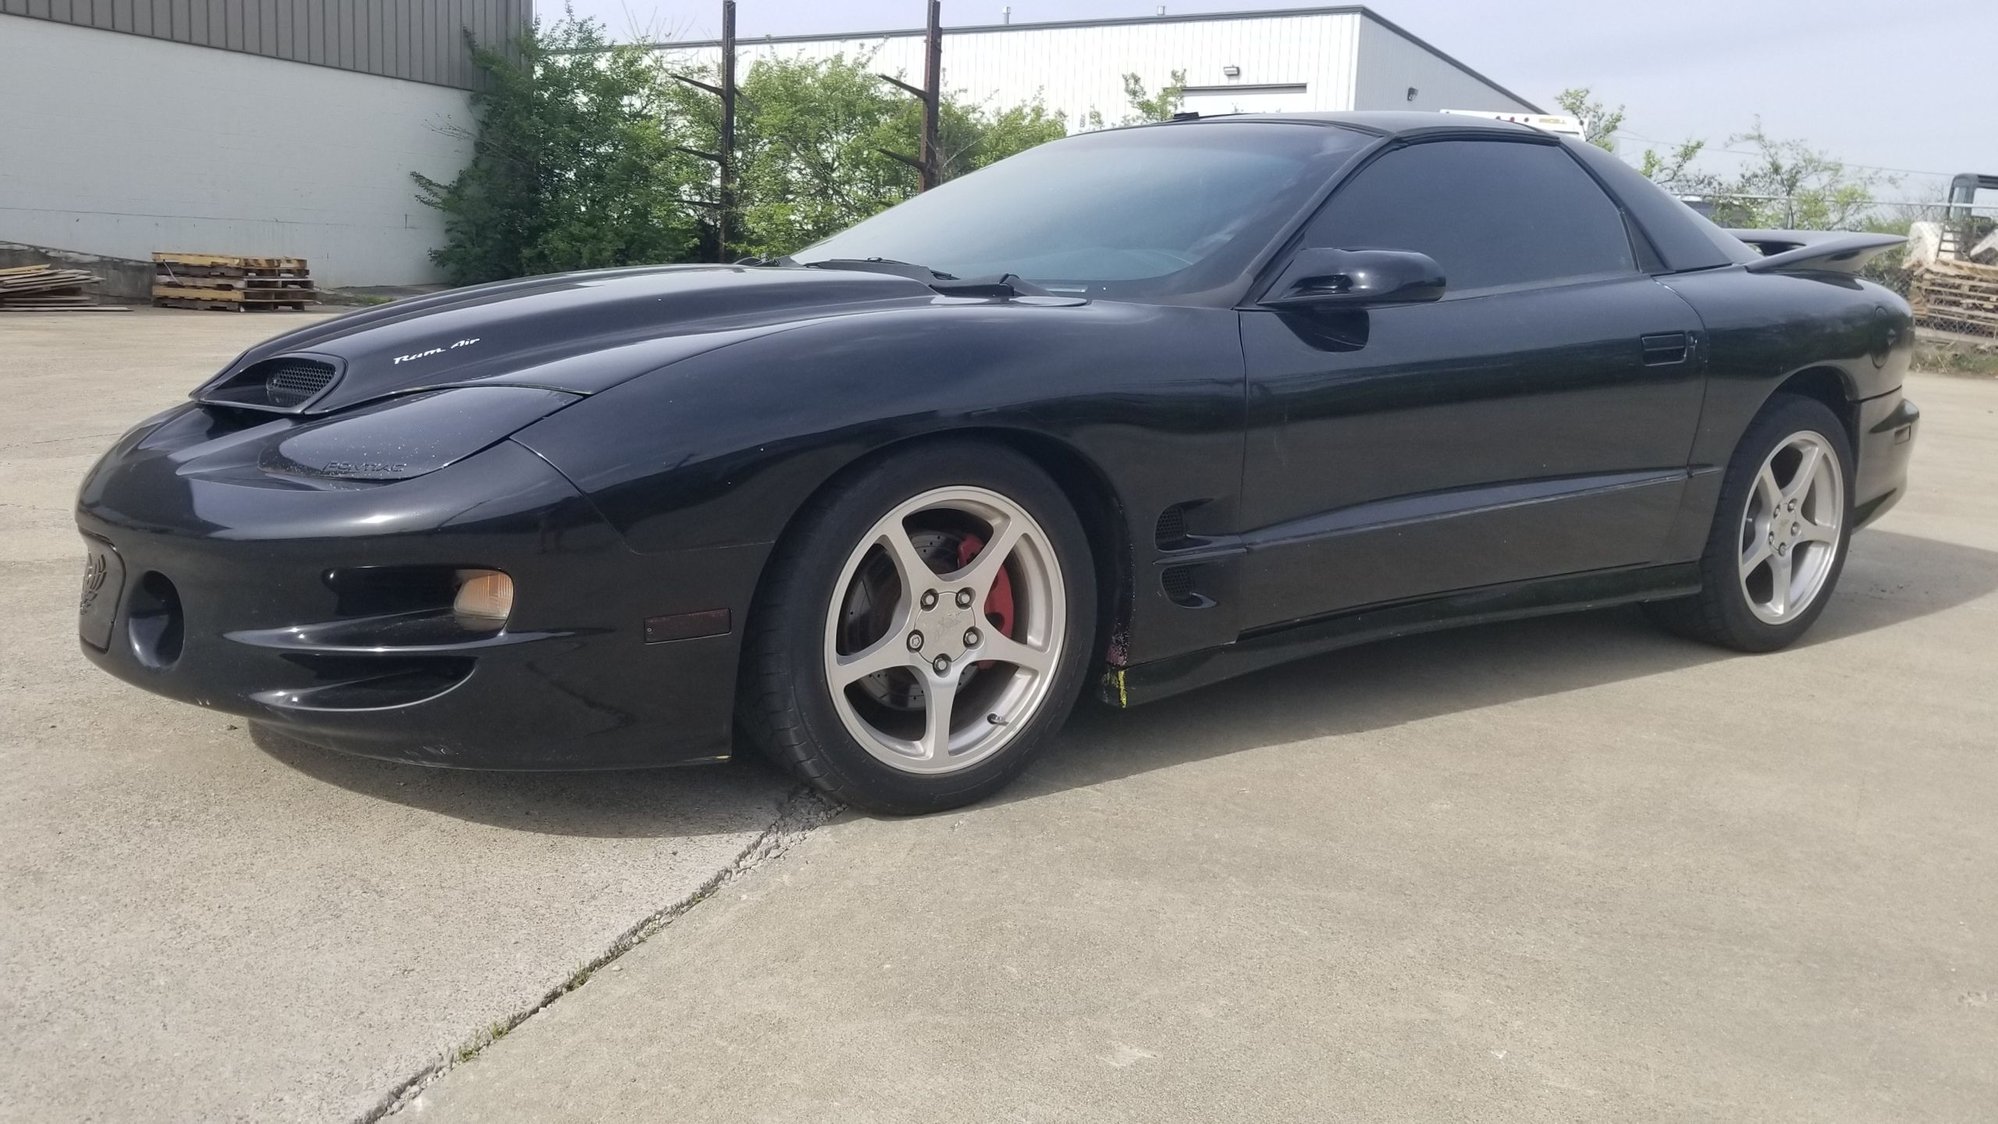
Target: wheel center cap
x=946 y=625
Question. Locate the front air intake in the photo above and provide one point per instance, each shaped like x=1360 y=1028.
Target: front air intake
x=286 y=384
x=294 y=382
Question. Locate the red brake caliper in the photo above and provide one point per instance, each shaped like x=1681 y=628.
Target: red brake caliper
x=999 y=602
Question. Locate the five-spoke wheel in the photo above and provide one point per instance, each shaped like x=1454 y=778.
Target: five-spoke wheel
x=1790 y=529
x=923 y=631
x=943 y=640
x=1779 y=532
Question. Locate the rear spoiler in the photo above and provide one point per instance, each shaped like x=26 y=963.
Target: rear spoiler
x=1814 y=251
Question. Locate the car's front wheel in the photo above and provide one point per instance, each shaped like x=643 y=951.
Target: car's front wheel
x=923 y=631
x=1779 y=535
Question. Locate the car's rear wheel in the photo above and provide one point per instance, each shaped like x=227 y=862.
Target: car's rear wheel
x=923 y=631
x=1779 y=535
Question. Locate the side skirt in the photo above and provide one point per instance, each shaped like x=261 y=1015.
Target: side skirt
x=1267 y=647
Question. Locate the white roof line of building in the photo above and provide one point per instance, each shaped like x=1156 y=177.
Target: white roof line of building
x=1113 y=21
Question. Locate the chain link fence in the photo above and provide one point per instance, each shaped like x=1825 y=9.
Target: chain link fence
x=1948 y=271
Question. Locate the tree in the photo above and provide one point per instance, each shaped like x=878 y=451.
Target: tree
x=813 y=137
x=1791 y=185
x=1143 y=107
x=1599 y=124
x=814 y=141
x=1674 y=170
x=971 y=136
x=586 y=154
x=1170 y=99
x=570 y=168
x=1779 y=183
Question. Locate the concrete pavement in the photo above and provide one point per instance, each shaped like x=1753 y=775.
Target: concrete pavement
x=197 y=926
x=1561 y=869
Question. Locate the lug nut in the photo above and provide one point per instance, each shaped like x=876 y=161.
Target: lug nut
x=915 y=641
x=930 y=599
x=964 y=599
x=941 y=663
x=971 y=638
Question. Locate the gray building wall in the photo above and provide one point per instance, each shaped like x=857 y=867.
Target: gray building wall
x=417 y=40
x=154 y=144
x=1392 y=62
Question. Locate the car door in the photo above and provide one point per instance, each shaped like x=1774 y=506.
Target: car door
x=1534 y=421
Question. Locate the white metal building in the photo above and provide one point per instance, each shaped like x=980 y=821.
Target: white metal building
x=1288 y=60
x=284 y=128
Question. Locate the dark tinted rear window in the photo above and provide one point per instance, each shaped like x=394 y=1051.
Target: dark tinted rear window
x=1491 y=213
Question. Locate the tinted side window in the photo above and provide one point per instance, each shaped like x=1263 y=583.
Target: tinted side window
x=1686 y=239
x=1489 y=212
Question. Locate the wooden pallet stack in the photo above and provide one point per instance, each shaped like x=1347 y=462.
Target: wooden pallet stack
x=49 y=288
x=230 y=282
x=1956 y=296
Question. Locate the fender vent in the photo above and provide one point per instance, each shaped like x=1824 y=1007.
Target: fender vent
x=1177 y=582
x=1170 y=533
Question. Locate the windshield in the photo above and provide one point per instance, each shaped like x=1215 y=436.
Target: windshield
x=1131 y=212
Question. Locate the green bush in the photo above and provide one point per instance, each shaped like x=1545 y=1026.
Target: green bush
x=571 y=167
x=581 y=159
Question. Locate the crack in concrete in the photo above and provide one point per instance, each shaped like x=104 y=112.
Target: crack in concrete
x=58 y=440
x=802 y=811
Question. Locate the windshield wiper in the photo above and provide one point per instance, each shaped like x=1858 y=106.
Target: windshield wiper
x=1004 y=286
x=910 y=270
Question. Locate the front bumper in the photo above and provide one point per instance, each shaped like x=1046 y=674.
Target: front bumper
x=279 y=602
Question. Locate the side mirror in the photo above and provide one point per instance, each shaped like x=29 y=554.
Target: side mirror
x=1322 y=278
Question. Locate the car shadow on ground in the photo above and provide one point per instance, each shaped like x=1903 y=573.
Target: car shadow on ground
x=742 y=795
x=1890 y=578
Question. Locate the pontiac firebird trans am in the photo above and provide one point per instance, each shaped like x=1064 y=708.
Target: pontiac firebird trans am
x=1140 y=409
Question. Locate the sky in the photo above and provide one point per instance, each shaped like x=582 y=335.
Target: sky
x=1900 y=88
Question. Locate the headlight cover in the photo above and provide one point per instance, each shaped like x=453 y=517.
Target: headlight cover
x=403 y=438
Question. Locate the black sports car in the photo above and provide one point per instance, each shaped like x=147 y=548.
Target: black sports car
x=1140 y=409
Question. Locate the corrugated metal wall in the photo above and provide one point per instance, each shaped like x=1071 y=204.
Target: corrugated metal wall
x=1397 y=72
x=157 y=145
x=421 y=40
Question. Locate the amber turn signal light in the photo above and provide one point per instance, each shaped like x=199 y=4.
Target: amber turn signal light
x=484 y=601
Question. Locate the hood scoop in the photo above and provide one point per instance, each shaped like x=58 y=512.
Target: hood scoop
x=284 y=384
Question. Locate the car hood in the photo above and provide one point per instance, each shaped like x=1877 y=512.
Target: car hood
x=576 y=332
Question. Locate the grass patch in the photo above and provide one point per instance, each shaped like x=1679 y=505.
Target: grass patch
x=1951 y=357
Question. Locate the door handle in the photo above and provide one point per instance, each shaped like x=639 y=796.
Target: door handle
x=1664 y=349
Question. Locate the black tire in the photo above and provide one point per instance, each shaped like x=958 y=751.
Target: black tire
x=784 y=705
x=1721 y=613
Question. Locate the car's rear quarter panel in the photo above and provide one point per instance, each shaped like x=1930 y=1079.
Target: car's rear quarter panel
x=1765 y=329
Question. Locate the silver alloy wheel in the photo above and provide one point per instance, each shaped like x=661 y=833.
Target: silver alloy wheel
x=1790 y=527
x=931 y=639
